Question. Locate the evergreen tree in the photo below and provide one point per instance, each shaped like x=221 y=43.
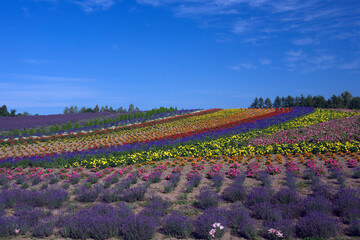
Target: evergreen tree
x=290 y=101
x=102 y=109
x=131 y=108
x=308 y=101
x=268 y=103
x=283 y=102
x=96 y=108
x=277 y=102
x=3 y=111
x=355 y=103
x=261 y=102
x=302 y=101
x=83 y=109
x=66 y=110
x=137 y=109
x=347 y=97
x=71 y=109
x=12 y=112
x=255 y=104
x=76 y=109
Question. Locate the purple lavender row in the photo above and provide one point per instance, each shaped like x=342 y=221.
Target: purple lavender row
x=242 y=128
x=12 y=123
x=117 y=123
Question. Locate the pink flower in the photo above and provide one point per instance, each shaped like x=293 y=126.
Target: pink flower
x=212 y=232
x=279 y=234
x=17 y=231
x=271 y=230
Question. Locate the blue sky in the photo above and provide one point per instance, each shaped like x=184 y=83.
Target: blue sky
x=181 y=53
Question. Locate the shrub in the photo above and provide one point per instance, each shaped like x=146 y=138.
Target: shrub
x=19 y=179
x=356 y=173
x=285 y=226
x=138 y=227
x=354 y=229
x=7 y=226
x=110 y=195
x=317 y=224
x=92 y=178
x=134 y=194
x=239 y=179
x=35 y=180
x=234 y=193
x=43 y=230
x=203 y=224
x=266 y=211
x=237 y=216
x=155 y=177
x=177 y=225
x=156 y=208
x=247 y=229
x=347 y=204
x=257 y=195
x=217 y=181
x=74 y=179
x=86 y=194
x=286 y=196
x=99 y=222
x=291 y=180
x=323 y=190
x=319 y=204
x=207 y=198
x=54 y=198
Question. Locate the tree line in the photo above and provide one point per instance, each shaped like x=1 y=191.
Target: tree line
x=75 y=109
x=345 y=100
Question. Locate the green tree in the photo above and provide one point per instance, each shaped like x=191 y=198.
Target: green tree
x=4 y=112
x=355 y=103
x=69 y=126
x=66 y=110
x=277 y=102
x=131 y=108
x=347 y=97
x=96 y=108
x=268 y=103
x=255 y=104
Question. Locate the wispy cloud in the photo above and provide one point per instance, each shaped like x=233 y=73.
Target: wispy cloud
x=46 y=78
x=36 y=61
x=27 y=90
x=351 y=65
x=91 y=5
x=264 y=61
x=304 y=41
x=245 y=66
x=240 y=26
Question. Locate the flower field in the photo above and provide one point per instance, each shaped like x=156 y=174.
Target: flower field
x=285 y=173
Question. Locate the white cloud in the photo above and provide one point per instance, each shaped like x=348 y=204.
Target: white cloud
x=304 y=41
x=239 y=27
x=36 y=61
x=91 y=5
x=350 y=65
x=246 y=66
x=292 y=53
x=264 y=61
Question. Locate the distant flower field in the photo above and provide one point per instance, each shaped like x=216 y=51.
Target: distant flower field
x=210 y=133
x=269 y=173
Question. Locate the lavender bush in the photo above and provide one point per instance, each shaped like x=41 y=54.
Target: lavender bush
x=134 y=194
x=266 y=211
x=317 y=224
x=319 y=204
x=207 y=198
x=203 y=224
x=257 y=195
x=347 y=204
x=99 y=222
x=177 y=225
x=234 y=193
x=86 y=194
x=138 y=228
